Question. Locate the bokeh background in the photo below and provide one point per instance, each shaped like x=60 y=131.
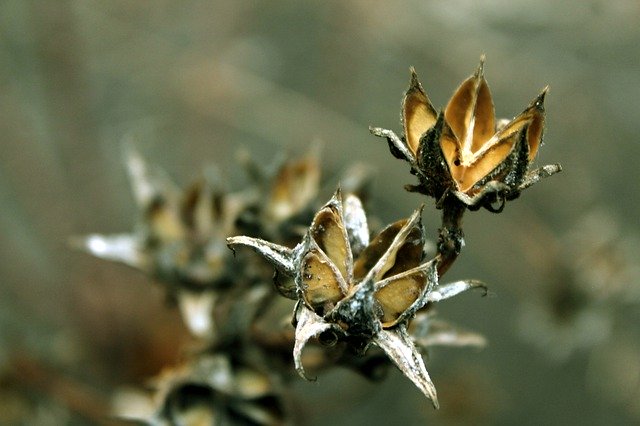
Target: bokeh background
x=192 y=82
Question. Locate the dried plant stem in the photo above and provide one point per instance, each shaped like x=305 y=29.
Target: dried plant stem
x=451 y=237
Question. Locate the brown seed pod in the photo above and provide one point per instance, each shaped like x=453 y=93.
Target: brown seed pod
x=357 y=290
x=464 y=150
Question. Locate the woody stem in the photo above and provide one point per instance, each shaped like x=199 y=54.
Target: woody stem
x=451 y=237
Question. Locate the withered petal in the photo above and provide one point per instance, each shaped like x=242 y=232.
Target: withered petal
x=294 y=187
x=322 y=284
x=401 y=295
x=376 y=249
x=309 y=325
x=410 y=228
x=399 y=347
x=330 y=234
x=418 y=114
x=470 y=112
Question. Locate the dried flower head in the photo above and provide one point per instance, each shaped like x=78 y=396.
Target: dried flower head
x=464 y=150
x=180 y=239
x=356 y=290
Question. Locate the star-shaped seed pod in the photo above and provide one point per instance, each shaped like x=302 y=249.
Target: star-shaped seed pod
x=360 y=291
x=180 y=239
x=464 y=150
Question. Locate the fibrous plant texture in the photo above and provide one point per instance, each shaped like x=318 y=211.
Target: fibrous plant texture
x=361 y=298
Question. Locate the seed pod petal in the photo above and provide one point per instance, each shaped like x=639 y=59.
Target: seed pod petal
x=329 y=232
x=401 y=295
x=386 y=261
x=418 y=115
x=294 y=187
x=470 y=112
x=321 y=282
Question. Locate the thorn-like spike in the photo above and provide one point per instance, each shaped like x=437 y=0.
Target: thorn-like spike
x=480 y=70
x=279 y=256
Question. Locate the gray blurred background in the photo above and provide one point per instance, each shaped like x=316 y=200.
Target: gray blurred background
x=192 y=82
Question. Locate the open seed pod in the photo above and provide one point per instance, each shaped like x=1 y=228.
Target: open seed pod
x=464 y=150
x=180 y=239
x=357 y=290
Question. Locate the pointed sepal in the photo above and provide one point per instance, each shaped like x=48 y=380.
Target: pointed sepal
x=399 y=347
x=309 y=325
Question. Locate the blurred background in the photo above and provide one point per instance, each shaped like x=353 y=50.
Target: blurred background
x=193 y=82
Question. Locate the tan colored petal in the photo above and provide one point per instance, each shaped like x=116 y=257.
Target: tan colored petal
x=467 y=176
x=418 y=115
x=164 y=221
x=407 y=239
x=534 y=114
x=329 y=232
x=322 y=285
x=294 y=187
x=376 y=248
x=399 y=294
x=200 y=207
x=470 y=113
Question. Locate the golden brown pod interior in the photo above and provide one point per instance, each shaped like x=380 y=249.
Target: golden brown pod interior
x=398 y=295
x=470 y=113
x=376 y=248
x=466 y=176
x=418 y=115
x=470 y=145
x=295 y=185
x=322 y=287
x=329 y=233
x=164 y=221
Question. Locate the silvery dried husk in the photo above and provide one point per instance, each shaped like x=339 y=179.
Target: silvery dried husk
x=212 y=389
x=356 y=290
x=464 y=150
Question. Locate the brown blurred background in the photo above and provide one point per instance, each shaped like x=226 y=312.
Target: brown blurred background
x=192 y=82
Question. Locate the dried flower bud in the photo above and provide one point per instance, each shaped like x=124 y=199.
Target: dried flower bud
x=356 y=290
x=463 y=150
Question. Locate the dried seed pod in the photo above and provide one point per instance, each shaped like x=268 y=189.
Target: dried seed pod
x=179 y=240
x=464 y=150
x=360 y=291
x=210 y=389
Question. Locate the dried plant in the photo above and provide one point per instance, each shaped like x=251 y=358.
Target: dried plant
x=360 y=299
